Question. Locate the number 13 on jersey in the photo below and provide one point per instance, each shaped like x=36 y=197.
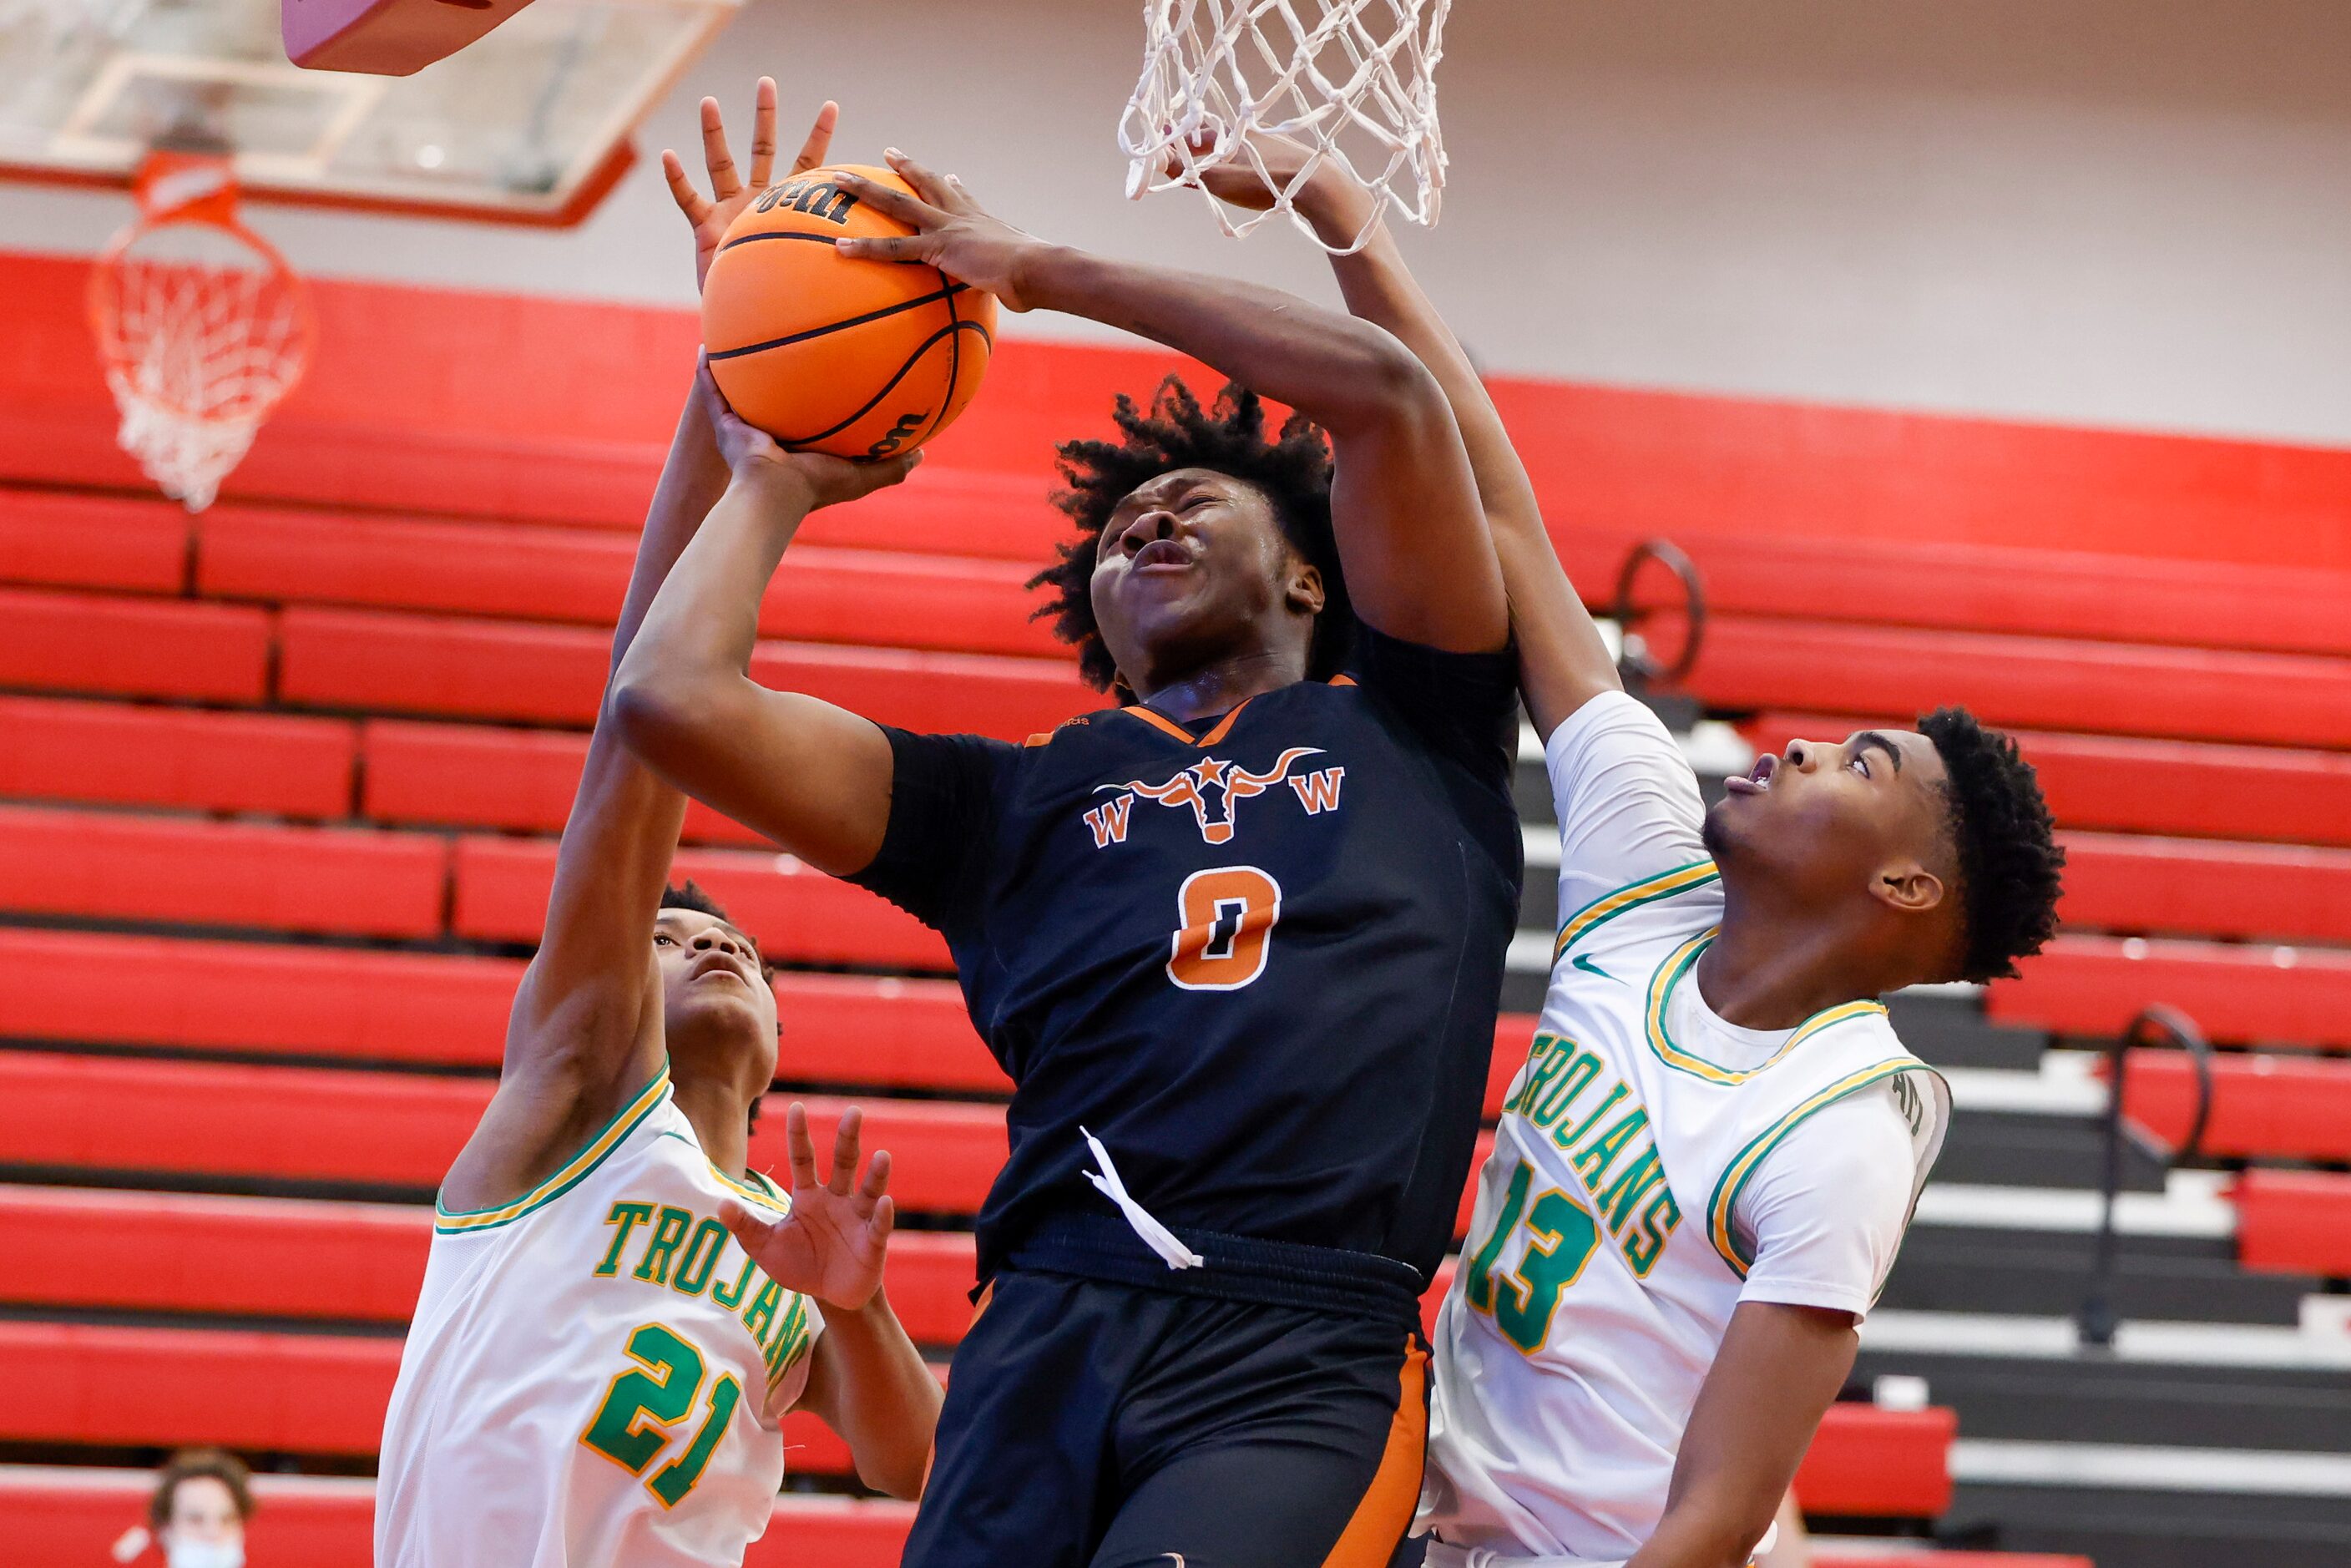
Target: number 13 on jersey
x=1560 y=1236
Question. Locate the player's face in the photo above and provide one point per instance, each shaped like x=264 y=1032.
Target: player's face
x=714 y=990
x=1824 y=819
x=203 y=1511
x=1194 y=567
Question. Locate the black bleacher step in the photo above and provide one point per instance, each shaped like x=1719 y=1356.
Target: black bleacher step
x=2046 y=1274
x=1952 y=1031
x=2026 y=1148
x=2118 y=1527
x=2091 y=1397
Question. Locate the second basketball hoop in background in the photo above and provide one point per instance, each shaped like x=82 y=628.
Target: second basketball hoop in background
x=860 y=359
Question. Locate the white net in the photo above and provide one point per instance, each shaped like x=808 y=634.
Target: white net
x=202 y=331
x=1351 y=80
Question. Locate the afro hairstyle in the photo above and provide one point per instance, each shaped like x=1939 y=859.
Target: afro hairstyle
x=2008 y=860
x=1293 y=469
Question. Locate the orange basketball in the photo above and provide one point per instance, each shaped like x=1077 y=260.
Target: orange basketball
x=860 y=359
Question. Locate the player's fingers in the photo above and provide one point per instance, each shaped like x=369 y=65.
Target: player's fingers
x=763 y=133
x=891 y=202
x=844 y=1153
x=743 y=1225
x=819 y=145
x=681 y=189
x=800 y=1149
x=943 y=192
x=894 y=248
x=716 y=158
x=886 y=1217
x=877 y=1176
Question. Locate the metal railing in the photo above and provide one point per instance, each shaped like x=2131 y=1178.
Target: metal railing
x=2097 y=1320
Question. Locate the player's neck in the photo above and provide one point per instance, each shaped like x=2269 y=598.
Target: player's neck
x=1773 y=970
x=721 y=1122
x=1222 y=684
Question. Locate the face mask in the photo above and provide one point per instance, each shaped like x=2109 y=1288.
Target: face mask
x=206 y=1554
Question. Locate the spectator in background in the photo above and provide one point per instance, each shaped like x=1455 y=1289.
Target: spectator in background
x=197 y=1516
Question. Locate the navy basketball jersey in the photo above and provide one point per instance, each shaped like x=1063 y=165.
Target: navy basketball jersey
x=1259 y=957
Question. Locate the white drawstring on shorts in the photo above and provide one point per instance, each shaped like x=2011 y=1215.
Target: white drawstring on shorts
x=1155 y=1236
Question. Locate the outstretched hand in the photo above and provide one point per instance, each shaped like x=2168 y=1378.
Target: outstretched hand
x=952 y=231
x=730 y=193
x=829 y=1247
x=1330 y=193
x=831 y=480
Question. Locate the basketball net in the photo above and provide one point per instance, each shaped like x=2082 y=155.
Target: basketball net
x=1359 y=72
x=202 y=327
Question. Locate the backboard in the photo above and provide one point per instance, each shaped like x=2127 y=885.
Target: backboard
x=529 y=124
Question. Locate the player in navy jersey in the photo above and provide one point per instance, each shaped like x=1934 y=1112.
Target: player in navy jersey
x=1239 y=941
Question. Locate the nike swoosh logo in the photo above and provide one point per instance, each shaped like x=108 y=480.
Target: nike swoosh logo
x=1589 y=967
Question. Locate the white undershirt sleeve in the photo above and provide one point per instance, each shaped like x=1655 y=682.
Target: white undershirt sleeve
x=1827 y=1210
x=1627 y=799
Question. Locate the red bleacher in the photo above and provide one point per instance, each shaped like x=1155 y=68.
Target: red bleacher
x=177 y=759
x=92 y=541
x=117 y=646
x=2094 y=986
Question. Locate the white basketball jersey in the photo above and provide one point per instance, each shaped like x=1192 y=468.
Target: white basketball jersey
x=1607 y=1249
x=596 y=1372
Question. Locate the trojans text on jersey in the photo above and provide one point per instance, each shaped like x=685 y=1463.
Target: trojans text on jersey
x=1214 y=788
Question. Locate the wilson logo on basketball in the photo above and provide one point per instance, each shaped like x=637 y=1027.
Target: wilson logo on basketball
x=898 y=433
x=1213 y=788
x=817 y=198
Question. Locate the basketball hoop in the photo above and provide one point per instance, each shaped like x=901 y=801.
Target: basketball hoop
x=203 y=328
x=1357 y=73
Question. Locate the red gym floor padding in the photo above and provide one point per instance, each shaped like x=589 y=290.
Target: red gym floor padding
x=116 y=754
x=2154 y=786
x=2264 y=1106
x=2206 y=888
x=134 y=647
x=2043 y=683
x=478 y=777
x=2294 y=1222
x=2096 y=985
x=1867 y=1462
x=321 y=1001
x=494 y=670
x=797 y=915
x=64 y=1514
x=940 y=597
x=92 y=541
x=258 y=1257
x=108 y=865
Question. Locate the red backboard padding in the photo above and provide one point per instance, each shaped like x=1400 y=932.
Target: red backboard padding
x=2033 y=683
x=2111 y=782
x=92 y=541
x=2096 y=985
x=134 y=647
x=2294 y=1222
x=184 y=759
x=2264 y=1106
x=109 y=865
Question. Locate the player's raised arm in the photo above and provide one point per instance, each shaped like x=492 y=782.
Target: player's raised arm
x=1405 y=505
x=1563 y=661
x=585 y=1030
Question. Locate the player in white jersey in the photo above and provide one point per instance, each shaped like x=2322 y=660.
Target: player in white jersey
x=1703 y=1171
x=597 y=1367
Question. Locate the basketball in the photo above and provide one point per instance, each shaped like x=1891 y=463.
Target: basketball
x=860 y=359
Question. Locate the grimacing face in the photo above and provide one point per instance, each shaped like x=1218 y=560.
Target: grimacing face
x=1194 y=564
x=1826 y=820
x=713 y=985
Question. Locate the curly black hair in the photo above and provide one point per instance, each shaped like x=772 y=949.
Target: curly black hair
x=1293 y=469
x=2008 y=860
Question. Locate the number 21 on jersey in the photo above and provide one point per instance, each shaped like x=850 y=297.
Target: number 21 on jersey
x=1560 y=1236
x=1224 y=919
x=633 y=1426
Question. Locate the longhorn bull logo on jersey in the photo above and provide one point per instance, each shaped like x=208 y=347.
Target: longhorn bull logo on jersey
x=1213 y=789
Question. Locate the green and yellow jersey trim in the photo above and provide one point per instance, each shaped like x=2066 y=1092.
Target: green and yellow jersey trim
x=1608 y=906
x=1741 y=1169
x=448 y=1222
x=758 y=1190
x=1669 y=974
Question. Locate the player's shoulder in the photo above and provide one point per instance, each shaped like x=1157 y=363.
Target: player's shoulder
x=1659 y=909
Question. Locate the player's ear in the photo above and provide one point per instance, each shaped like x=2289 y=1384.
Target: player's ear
x=1907 y=886
x=1304 y=592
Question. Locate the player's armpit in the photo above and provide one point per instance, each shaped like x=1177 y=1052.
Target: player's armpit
x=1774 y=1378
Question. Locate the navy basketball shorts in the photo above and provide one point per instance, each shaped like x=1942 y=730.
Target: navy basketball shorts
x=1095 y=1425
